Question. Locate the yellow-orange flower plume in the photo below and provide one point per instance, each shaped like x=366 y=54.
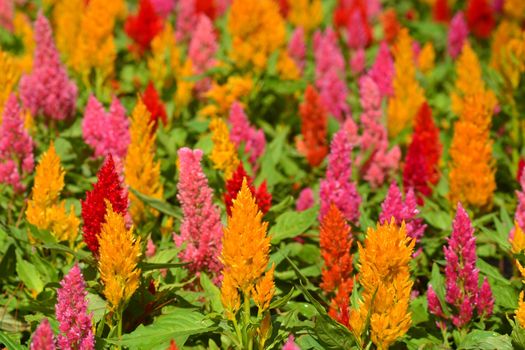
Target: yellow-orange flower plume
x=307 y=14
x=224 y=154
x=9 y=75
x=235 y=88
x=164 y=57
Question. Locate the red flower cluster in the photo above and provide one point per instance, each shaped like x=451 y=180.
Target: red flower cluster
x=421 y=163
x=521 y=166
x=262 y=197
x=284 y=7
x=480 y=18
x=344 y=17
x=336 y=242
x=143 y=27
x=441 y=11
x=206 y=7
x=108 y=187
x=154 y=105
x=313 y=127
x=391 y=25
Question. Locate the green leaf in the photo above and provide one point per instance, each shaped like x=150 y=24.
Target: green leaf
x=517 y=335
x=485 y=340
x=491 y=272
x=213 y=293
x=283 y=300
x=147 y=266
x=28 y=274
x=8 y=263
x=9 y=343
x=292 y=224
x=155 y=203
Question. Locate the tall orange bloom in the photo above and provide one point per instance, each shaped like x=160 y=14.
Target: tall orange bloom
x=224 y=153
x=314 y=124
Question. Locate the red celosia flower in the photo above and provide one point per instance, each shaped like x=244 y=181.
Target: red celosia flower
x=480 y=18
x=345 y=17
x=441 y=11
x=173 y=346
x=143 y=27
x=336 y=242
x=421 y=164
x=284 y=7
x=521 y=165
x=108 y=186
x=154 y=105
x=313 y=127
x=262 y=197
x=390 y=24
x=206 y=7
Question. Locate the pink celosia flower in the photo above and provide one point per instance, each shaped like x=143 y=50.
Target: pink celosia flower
x=7 y=11
x=519 y=214
x=186 y=20
x=106 y=132
x=47 y=90
x=243 y=133
x=290 y=344
x=394 y=207
x=358 y=61
x=43 y=337
x=16 y=146
x=358 y=30
x=151 y=249
x=382 y=71
x=163 y=7
x=457 y=34
x=297 y=47
x=71 y=312
x=201 y=228
x=381 y=161
x=202 y=49
x=337 y=187
x=305 y=199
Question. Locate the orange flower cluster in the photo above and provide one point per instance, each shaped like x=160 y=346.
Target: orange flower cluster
x=313 y=127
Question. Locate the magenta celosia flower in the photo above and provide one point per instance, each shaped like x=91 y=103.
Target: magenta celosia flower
x=201 y=228
x=394 y=207
x=290 y=344
x=47 y=90
x=485 y=299
x=186 y=20
x=7 y=11
x=358 y=61
x=376 y=161
x=163 y=7
x=243 y=133
x=358 y=31
x=519 y=215
x=297 y=47
x=43 y=337
x=457 y=34
x=202 y=49
x=305 y=199
x=16 y=146
x=382 y=71
x=76 y=328
x=337 y=187
x=151 y=249
x=106 y=132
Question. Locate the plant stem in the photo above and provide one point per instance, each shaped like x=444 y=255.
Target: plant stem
x=249 y=340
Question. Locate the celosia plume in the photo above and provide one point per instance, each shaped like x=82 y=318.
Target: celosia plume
x=337 y=187
x=385 y=277
x=47 y=90
x=262 y=197
x=306 y=14
x=75 y=324
x=9 y=75
x=43 y=338
x=297 y=47
x=201 y=228
x=441 y=11
x=520 y=312
x=155 y=106
x=480 y=18
x=163 y=7
x=141 y=171
x=143 y=27
x=119 y=255
x=457 y=34
x=305 y=200
x=290 y=344
x=67 y=19
x=390 y=24
x=202 y=49
x=382 y=71
x=16 y=146
x=313 y=127
x=223 y=155
x=108 y=187
x=164 y=57
x=235 y=88
x=106 y=132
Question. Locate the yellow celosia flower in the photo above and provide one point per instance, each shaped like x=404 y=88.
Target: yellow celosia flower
x=67 y=16
x=224 y=154
x=119 y=255
x=164 y=57
x=235 y=88
x=184 y=92
x=44 y=209
x=515 y=9
x=307 y=14
x=23 y=28
x=9 y=75
x=520 y=312
x=141 y=172
x=385 y=277
x=471 y=176
x=408 y=95
x=504 y=33
x=245 y=255
x=518 y=240
x=287 y=68
x=426 y=58
x=469 y=81
x=257 y=30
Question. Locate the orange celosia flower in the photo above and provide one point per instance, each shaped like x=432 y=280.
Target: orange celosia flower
x=471 y=176
x=313 y=127
x=408 y=95
x=184 y=91
x=9 y=75
x=141 y=171
x=224 y=153
x=67 y=17
x=287 y=67
x=165 y=57
x=245 y=255
x=306 y=14
x=385 y=277
x=23 y=28
x=336 y=242
x=119 y=255
x=426 y=58
x=518 y=240
x=515 y=9
x=44 y=209
x=257 y=30
x=235 y=88
x=520 y=312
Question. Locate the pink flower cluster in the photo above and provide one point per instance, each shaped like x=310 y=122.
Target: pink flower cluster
x=305 y=199
x=519 y=215
x=394 y=207
x=7 y=11
x=47 y=90
x=457 y=34
x=382 y=71
x=462 y=291
x=71 y=312
x=330 y=73
x=243 y=133
x=163 y=7
x=373 y=142
x=16 y=146
x=297 y=47
x=202 y=49
x=290 y=344
x=337 y=187
x=106 y=132
x=201 y=228
x=43 y=337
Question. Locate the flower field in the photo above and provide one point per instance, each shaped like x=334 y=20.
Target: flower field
x=262 y=174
